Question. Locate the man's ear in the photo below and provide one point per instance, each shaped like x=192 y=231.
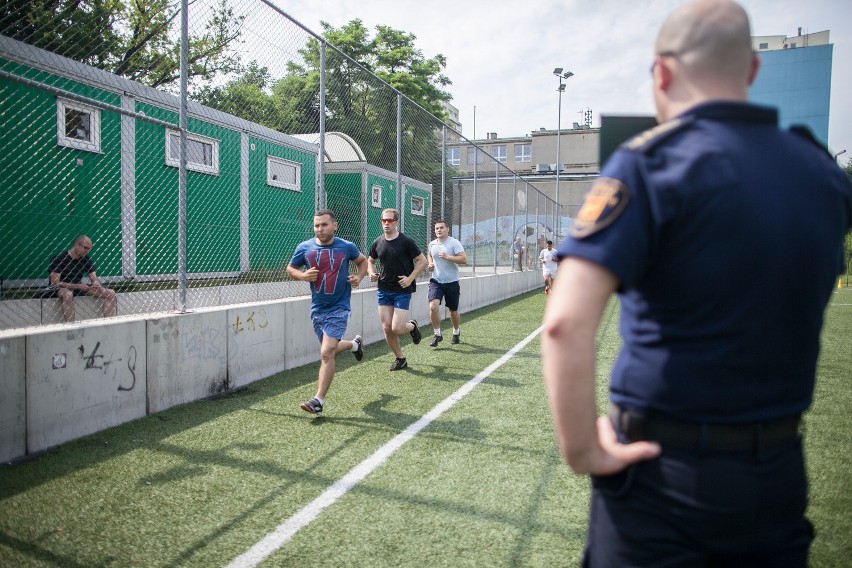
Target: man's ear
x=663 y=75
x=755 y=67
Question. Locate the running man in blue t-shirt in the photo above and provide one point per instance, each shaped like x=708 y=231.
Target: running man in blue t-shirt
x=327 y=258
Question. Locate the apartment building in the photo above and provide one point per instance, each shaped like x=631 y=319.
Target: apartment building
x=795 y=77
x=529 y=159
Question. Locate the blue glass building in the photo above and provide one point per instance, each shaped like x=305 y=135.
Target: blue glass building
x=798 y=82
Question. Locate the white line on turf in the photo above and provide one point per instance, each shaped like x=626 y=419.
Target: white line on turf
x=286 y=530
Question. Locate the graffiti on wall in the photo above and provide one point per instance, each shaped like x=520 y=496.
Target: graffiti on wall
x=122 y=370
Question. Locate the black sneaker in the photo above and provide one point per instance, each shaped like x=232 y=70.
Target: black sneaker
x=436 y=340
x=456 y=339
x=416 y=336
x=399 y=364
x=359 y=352
x=313 y=406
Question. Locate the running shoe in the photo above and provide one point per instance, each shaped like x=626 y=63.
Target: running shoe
x=416 y=336
x=313 y=406
x=359 y=351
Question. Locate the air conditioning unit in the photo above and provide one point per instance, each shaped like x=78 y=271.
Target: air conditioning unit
x=542 y=168
x=557 y=167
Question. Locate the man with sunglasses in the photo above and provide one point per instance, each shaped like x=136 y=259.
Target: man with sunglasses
x=700 y=460
x=400 y=262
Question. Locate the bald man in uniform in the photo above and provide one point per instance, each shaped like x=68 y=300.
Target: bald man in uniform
x=699 y=462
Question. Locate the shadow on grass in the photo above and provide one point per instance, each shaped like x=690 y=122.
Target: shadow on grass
x=29 y=472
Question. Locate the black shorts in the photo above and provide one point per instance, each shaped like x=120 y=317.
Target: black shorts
x=449 y=292
x=696 y=509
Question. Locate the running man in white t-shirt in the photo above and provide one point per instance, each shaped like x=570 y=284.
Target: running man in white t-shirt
x=445 y=256
x=549 y=261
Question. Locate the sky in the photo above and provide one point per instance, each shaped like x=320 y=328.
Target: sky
x=501 y=54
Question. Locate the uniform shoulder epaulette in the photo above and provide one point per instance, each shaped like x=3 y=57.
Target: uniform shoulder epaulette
x=646 y=140
x=805 y=132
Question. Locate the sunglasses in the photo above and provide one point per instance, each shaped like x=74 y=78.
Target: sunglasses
x=388 y=221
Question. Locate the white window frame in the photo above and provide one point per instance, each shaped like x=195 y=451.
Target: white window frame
x=194 y=166
x=454 y=156
x=475 y=156
x=376 y=196
x=499 y=153
x=296 y=186
x=422 y=209
x=520 y=155
x=62 y=138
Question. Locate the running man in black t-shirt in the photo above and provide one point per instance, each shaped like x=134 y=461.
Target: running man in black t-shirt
x=401 y=262
x=66 y=273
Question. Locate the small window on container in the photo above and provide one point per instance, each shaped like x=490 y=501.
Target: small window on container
x=202 y=154
x=283 y=173
x=78 y=126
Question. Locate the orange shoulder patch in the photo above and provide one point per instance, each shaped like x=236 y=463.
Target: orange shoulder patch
x=602 y=205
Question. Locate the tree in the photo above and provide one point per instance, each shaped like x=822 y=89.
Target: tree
x=366 y=109
x=357 y=102
x=248 y=96
x=137 y=39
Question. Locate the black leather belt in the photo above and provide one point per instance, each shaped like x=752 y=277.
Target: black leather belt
x=705 y=437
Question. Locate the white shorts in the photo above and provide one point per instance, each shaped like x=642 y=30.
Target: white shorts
x=547 y=272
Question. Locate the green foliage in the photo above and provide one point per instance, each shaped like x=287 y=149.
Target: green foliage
x=137 y=40
x=356 y=102
x=80 y=30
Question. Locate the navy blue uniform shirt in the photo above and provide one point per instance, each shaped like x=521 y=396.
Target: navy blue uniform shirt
x=726 y=236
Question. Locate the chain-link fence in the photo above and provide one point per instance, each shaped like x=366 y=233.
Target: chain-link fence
x=192 y=149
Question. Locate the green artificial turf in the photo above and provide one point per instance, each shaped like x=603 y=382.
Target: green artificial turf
x=483 y=485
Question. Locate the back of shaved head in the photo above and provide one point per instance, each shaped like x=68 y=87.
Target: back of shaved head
x=710 y=38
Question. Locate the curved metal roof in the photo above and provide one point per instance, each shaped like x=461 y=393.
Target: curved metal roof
x=339 y=147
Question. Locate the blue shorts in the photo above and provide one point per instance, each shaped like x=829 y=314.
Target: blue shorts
x=331 y=323
x=399 y=300
x=450 y=292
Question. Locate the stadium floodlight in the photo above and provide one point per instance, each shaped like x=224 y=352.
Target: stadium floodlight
x=559 y=75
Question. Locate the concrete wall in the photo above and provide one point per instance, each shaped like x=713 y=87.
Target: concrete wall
x=63 y=381
x=35 y=312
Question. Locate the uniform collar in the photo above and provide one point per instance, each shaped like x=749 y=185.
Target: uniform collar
x=733 y=110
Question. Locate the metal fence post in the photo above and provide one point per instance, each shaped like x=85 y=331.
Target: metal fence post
x=399 y=190
x=443 y=167
x=320 y=185
x=473 y=237
x=184 y=80
x=496 y=210
x=514 y=213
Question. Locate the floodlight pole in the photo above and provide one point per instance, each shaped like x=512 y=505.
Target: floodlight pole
x=559 y=75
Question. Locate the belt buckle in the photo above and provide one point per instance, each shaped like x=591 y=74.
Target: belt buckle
x=630 y=424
